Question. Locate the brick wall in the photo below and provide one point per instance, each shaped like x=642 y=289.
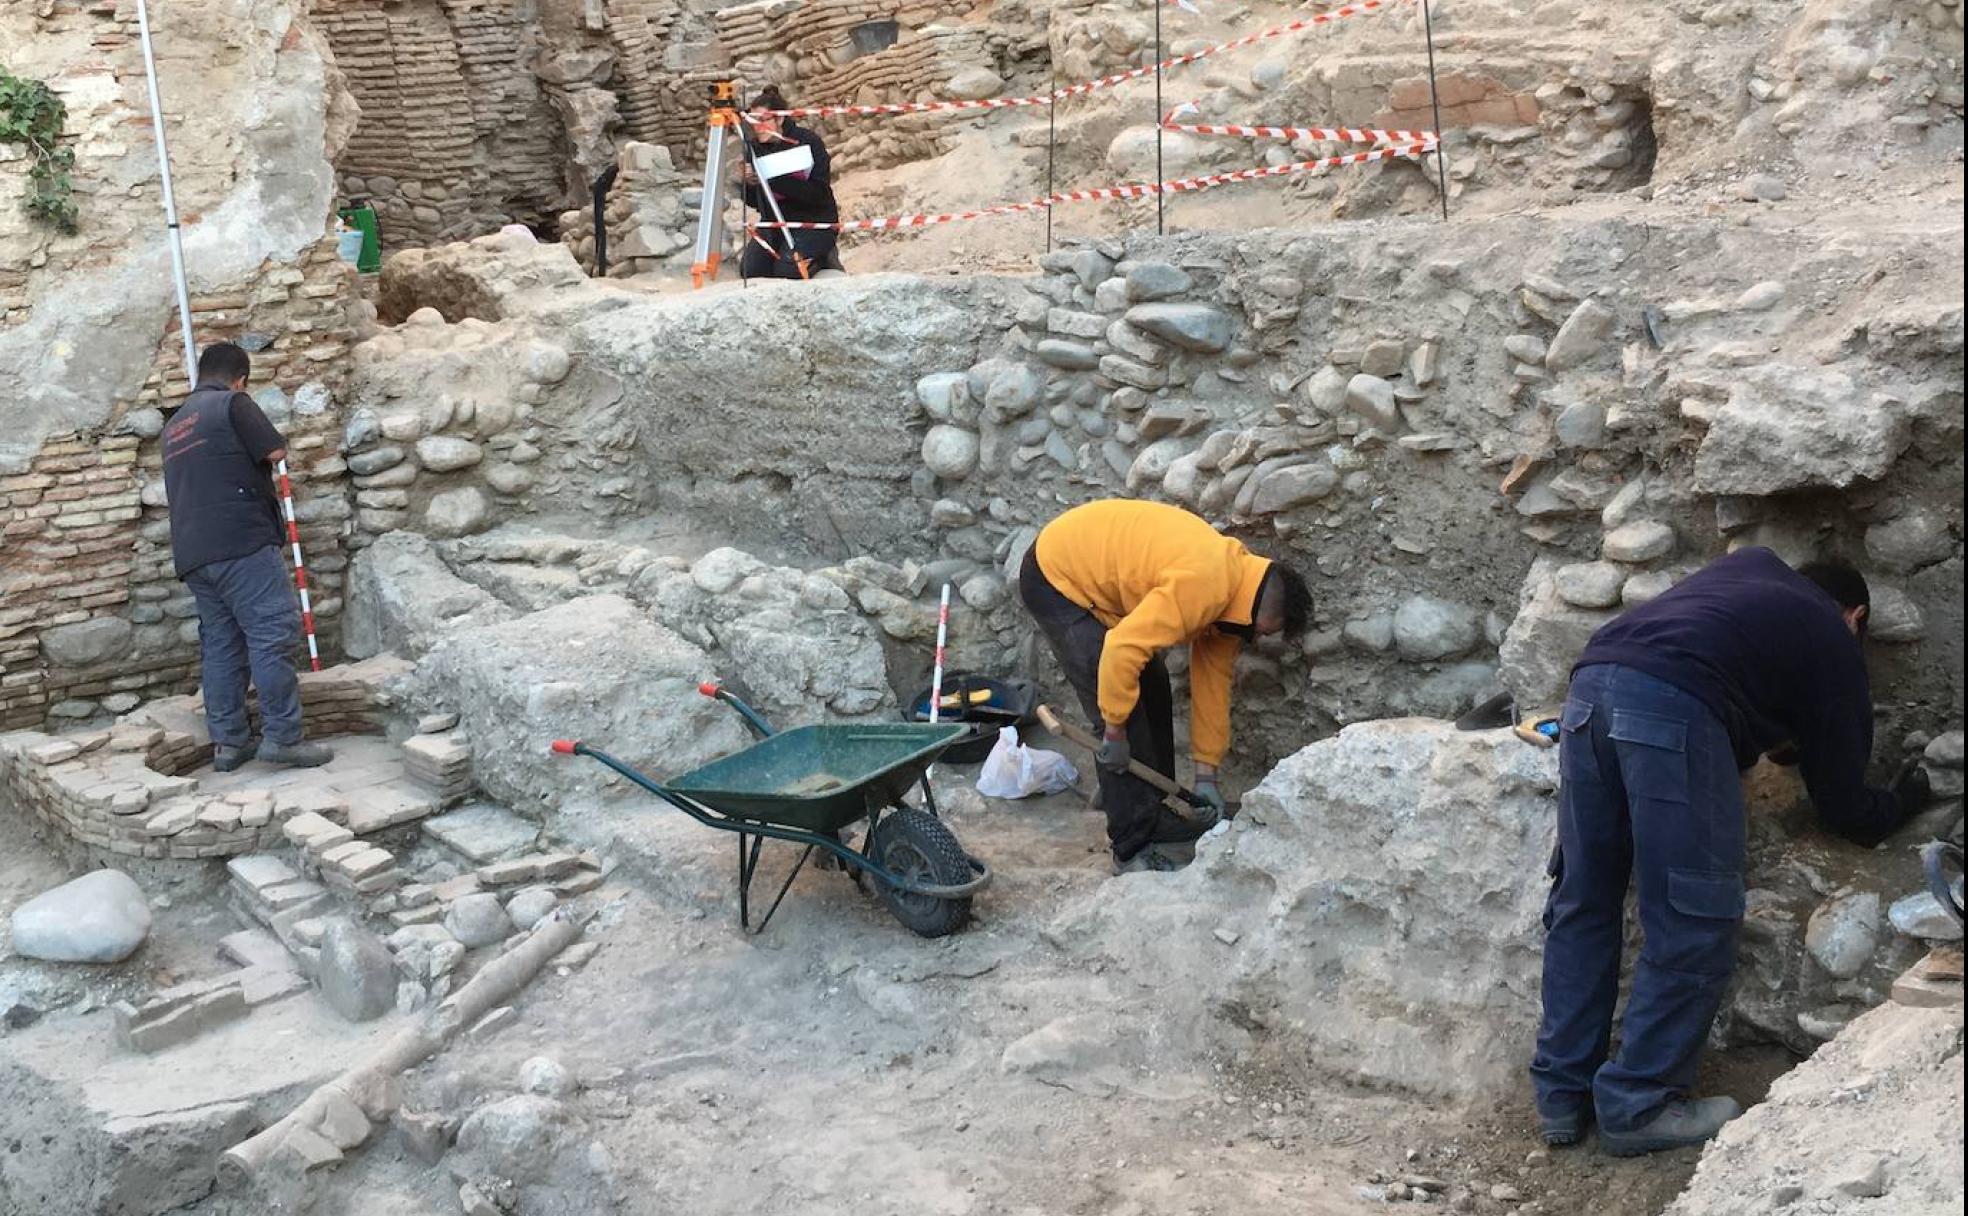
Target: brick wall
x=456 y=137
x=128 y=789
x=92 y=617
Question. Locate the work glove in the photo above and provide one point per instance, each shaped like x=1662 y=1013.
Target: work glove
x=1113 y=754
x=1209 y=806
x=1208 y=793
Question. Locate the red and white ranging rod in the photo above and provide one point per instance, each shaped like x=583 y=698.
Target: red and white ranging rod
x=300 y=567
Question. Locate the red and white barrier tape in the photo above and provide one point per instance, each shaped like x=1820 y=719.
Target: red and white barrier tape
x=1347 y=135
x=1357 y=8
x=886 y=223
x=300 y=567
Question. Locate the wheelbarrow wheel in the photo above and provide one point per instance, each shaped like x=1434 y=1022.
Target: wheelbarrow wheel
x=915 y=846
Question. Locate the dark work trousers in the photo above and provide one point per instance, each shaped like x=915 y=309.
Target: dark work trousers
x=1649 y=788
x=821 y=246
x=1136 y=817
x=249 y=622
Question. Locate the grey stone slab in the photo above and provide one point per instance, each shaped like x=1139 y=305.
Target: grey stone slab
x=483 y=833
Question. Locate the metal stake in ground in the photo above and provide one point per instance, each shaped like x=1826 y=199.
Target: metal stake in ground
x=300 y=567
x=1435 y=102
x=1052 y=135
x=1159 y=199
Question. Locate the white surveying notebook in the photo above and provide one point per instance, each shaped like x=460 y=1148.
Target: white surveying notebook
x=779 y=164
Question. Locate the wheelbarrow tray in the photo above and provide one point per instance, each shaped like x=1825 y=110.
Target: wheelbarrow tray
x=819 y=778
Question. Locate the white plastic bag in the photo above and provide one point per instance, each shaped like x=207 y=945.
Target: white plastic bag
x=1013 y=770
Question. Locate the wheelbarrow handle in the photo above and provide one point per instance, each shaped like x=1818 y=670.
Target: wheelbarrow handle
x=753 y=718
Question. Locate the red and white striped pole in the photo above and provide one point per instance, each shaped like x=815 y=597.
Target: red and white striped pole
x=936 y=674
x=300 y=567
x=942 y=640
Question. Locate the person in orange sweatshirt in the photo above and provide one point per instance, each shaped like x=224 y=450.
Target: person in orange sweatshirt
x=1114 y=583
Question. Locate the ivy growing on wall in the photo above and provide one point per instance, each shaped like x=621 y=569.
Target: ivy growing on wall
x=32 y=116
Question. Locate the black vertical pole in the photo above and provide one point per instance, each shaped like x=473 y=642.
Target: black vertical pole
x=602 y=186
x=1052 y=132
x=1160 y=198
x=1435 y=102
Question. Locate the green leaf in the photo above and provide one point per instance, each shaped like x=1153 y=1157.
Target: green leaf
x=33 y=116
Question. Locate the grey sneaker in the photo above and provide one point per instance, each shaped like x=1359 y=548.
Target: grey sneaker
x=296 y=755
x=226 y=759
x=1682 y=1122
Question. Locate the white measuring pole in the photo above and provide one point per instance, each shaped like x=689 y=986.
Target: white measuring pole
x=172 y=234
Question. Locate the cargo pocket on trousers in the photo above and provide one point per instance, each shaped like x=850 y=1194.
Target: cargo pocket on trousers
x=1653 y=752
x=1575 y=757
x=1700 y=935
x=1708 y=894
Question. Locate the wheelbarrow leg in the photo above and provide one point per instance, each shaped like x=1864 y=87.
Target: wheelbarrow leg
x=785 y=887
x=748 y=859
x=746 y=864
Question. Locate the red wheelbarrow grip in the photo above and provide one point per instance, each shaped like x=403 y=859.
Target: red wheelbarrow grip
x=565 y=747
x=710 y=688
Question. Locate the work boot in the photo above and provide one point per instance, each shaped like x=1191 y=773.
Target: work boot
x=296 y=755
x=1149 y=860
x=226 y=759
x=1564 y=1130
x=1681 y=1123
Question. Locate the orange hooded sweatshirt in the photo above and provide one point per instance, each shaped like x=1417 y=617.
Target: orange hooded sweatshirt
x=1157 y=576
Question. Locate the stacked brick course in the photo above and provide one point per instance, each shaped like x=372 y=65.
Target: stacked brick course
x=85 y=532
x=658 y=105
x=456 y=136
x=124 y=789
x=815 y=41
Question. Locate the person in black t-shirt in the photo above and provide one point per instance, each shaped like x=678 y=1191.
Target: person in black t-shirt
x=1668 y=703
x=225 y=544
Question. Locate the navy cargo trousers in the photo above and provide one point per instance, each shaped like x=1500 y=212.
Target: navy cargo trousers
x=1649 y=791
x=249 y=623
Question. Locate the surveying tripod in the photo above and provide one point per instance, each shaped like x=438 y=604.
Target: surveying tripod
x=726 y=119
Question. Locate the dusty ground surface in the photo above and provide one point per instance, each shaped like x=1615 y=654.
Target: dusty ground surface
x=838 y=1064
x=186 y=922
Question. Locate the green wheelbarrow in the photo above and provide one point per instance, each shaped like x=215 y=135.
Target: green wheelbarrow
x=807 y=785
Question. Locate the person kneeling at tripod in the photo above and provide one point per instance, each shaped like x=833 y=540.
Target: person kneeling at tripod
x=804 y=196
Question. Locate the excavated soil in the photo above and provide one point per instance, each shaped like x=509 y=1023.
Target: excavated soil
x=837 y=1064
